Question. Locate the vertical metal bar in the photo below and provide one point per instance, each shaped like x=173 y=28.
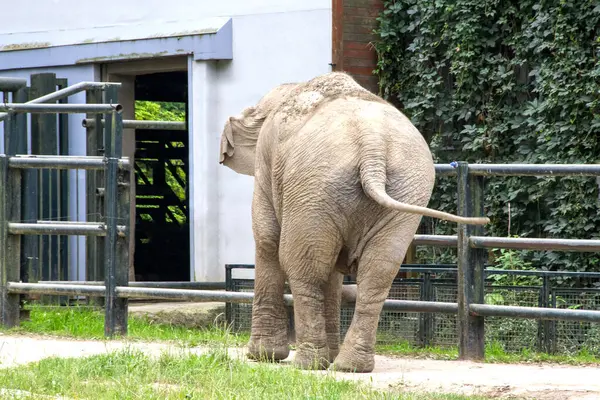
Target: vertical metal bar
x=28 y=202
x=228 y=287
x=552 y=326
x=115 y=308
x=63 y=149
x=94 y=206
x=546 y=341
x=44 y=141
x=30 y=199
x=426 y=318
x=471 y=329
x=10 y=245
x=18 y=136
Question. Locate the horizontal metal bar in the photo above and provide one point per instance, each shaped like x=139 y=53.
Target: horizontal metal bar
x=66 y=92
x=420 y=306
x=203 y=295
x=435 y=240
x=135 y=124
x=488 y=310
x=71 y=90
x=12 y=84
x=444 y=170
x=57 y=228
x=51 y=289
x=41 y=221
x=62 y=162
x=151 y=284
x=247 y=297
x=534 y=169
x=60 y=108
x=482 y=242
x=495 y=271
x=541 y=274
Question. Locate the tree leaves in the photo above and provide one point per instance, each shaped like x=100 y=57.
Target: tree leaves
x=503 y=81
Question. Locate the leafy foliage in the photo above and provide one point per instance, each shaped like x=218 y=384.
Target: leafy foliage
x=164 y=111
x=504 y=81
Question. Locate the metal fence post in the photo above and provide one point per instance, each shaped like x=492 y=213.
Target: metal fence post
x=94 y=246
x=229 y=288
x=426 y=319
x=10 y=245
x=471 y=330
x=116 y=273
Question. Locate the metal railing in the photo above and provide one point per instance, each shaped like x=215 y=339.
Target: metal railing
x=117 y=180
x=438 y=283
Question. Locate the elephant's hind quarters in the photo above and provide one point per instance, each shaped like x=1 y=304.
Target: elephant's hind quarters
x=296 y=141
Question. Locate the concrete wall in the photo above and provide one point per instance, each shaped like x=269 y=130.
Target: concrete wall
x=274 y=41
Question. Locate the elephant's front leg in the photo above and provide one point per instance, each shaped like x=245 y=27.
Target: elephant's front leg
x=268 y=338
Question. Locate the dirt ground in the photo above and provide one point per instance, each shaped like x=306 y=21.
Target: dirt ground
x=524 y=381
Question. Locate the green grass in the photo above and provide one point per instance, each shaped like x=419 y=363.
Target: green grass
x=494 y=353
x=130 y=374
x=88 y=323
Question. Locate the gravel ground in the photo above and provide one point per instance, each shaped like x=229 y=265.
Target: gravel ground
x=527 y=381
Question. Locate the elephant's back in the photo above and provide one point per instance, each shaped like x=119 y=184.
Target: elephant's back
x=320 y=163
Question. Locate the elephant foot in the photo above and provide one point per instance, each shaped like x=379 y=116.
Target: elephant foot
x=333 y=342
x=310 y=357
x=333 y=353
x=262 y=350
x=353 y=361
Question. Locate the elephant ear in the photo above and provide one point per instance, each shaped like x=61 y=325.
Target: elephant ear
x=241 y=131
x=227 y=143
x=250 y=123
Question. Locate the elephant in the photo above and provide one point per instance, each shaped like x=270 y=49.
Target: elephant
x=342 y=179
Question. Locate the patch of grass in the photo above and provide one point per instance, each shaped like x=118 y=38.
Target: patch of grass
x=130 y=374
x=494 y=353
x=88 y=323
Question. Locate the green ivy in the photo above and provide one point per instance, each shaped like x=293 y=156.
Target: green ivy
x=503 y=81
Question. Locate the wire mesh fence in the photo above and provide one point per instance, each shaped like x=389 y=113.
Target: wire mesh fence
x=510 y=334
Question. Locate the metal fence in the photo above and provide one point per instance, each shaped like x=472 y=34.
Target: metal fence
x=15 y=160
x=470 y=306
x=438 y=283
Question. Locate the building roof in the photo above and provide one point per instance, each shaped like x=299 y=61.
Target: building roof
x=208 y=38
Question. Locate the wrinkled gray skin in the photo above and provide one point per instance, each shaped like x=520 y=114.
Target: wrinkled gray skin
x=342 y=179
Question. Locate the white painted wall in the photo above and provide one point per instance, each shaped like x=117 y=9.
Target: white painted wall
x=274 y=41
x=269 y=49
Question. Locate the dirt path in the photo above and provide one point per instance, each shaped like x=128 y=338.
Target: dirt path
x=530 y=381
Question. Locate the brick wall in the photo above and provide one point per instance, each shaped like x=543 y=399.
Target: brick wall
x=353 y=23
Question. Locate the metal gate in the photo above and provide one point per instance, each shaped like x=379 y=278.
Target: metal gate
x=33 y=226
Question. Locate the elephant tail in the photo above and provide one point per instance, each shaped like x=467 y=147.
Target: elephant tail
x=373 y=177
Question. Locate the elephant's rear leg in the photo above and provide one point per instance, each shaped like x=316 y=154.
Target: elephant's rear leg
x=308 y=259
x=268 y=338
x=377 y=268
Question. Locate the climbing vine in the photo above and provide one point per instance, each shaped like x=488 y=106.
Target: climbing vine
x=503 y=81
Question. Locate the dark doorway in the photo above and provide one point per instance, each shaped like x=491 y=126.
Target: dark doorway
x=162 y=232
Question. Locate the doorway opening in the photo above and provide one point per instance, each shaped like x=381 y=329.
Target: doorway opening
x=162 y=229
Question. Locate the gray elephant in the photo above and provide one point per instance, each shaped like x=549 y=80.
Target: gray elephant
x=341 y=181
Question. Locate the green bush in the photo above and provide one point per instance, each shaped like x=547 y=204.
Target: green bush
x=503 y=81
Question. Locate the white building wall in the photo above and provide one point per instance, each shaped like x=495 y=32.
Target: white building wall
x=274 y=41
